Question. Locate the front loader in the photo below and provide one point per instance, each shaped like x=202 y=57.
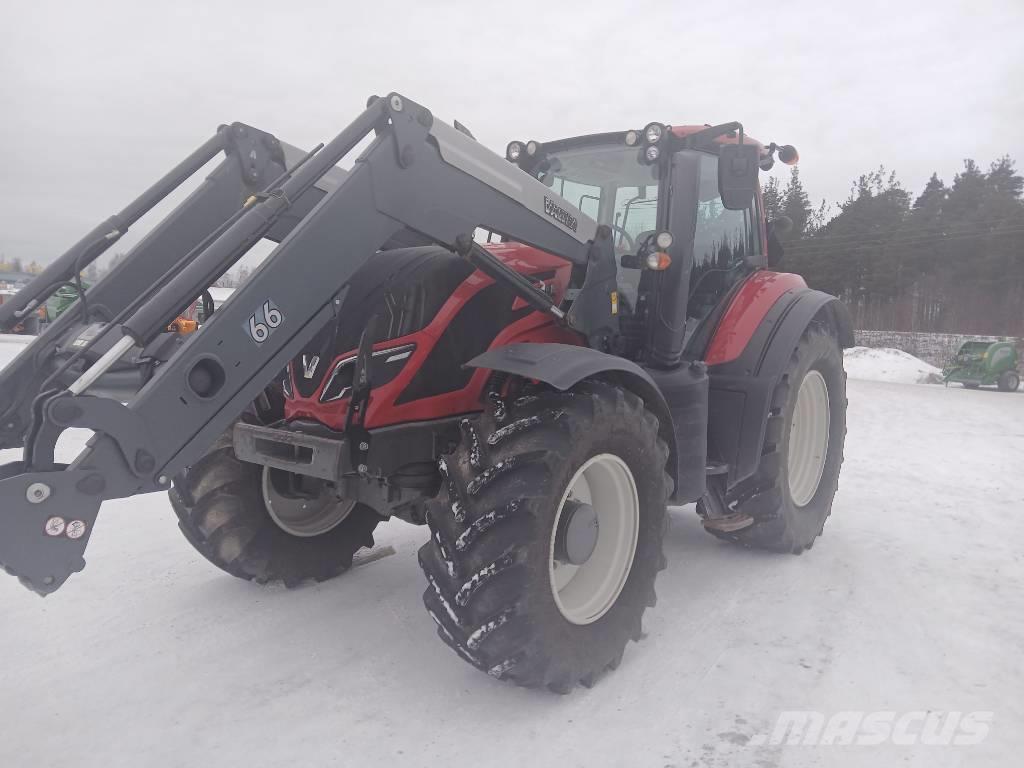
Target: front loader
x=532 y=355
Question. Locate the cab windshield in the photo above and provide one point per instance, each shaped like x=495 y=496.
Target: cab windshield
x=610 y=185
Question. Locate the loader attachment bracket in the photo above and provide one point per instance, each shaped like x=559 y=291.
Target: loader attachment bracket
x=355 y=418
x=48 y=519
x=63 y=411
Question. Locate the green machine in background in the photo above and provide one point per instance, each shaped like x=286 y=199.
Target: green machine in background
x=984 y=363
x=61 y=300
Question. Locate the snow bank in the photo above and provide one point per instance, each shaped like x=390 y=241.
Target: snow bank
x=10 y=346
x=12 y=338
x=892 y=365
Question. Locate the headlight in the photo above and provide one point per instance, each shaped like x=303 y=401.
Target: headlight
x=652 y=153
x=513 y=151
x=653 y=133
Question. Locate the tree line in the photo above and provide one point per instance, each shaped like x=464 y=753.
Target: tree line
x=949 y=260
x=17 y=265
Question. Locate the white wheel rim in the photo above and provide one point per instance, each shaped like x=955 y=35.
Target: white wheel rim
x=304 y=518
x=584 y=593
x=808 y=439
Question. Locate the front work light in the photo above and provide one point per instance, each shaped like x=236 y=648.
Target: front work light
x=513 y=151
x=663 y=240
x=652 y=153
x=653 y=133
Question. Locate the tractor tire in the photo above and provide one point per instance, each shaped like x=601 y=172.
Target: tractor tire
x=220 y=503
x=1009 y=381
x=515 y=586
x=790 y=496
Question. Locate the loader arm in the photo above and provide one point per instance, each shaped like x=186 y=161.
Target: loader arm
x=417 y=173
x=252 y=160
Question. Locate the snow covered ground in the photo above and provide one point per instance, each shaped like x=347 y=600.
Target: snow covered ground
x=887 y=364
x=912 y=600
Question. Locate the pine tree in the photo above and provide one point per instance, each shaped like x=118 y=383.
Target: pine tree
x=771 y=198
x=967 y=193
x=1003 y=180
x=796 y=205
x=933 y=195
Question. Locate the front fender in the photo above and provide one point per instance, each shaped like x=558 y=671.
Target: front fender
x=683 y=424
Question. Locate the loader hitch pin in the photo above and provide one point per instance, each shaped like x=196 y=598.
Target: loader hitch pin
x=37 y=493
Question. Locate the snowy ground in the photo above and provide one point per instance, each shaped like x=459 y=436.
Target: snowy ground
x=892 y=365
x=911 y=601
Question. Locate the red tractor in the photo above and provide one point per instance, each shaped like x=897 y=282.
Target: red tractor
x=534 y=356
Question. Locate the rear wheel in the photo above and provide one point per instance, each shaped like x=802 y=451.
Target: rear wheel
x=266 y=525
x=1009 y=381
x=546 y=536
x=785 y=505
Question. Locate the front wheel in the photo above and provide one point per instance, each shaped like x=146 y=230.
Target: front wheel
x=265 y=525
x=547 y=534
x=785 y=505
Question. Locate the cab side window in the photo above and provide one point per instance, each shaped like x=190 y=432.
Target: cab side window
x=723 y=243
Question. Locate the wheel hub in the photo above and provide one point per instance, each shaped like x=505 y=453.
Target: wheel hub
x=594 y=539
x=578 y=529
x=302 y=506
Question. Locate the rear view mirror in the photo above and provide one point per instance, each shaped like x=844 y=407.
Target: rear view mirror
x=737 y=174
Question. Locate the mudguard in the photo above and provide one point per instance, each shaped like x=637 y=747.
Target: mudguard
x=741 y=389
x=682 y=415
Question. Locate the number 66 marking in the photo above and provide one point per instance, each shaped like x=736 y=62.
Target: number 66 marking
x=262 y=323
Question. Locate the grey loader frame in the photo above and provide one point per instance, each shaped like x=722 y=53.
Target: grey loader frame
x=417 y=173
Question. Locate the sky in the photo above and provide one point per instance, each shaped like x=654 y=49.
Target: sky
x=99 y=99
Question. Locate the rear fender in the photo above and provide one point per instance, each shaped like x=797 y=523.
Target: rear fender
x=683 y=424
x=741 y=389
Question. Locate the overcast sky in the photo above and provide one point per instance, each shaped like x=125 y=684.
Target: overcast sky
x=98 y=99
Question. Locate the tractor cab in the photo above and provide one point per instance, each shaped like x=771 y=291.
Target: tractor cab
x=684 y=209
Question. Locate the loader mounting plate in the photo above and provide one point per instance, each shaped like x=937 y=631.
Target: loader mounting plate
x=46 y=519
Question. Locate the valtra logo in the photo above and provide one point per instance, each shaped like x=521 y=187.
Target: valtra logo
x=559 y=214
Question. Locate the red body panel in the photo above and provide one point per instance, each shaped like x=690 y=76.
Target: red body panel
x=685 y=130
x=384 y=409
x=746 y=311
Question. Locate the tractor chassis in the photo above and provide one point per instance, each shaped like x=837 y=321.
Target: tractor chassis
x=400 y=460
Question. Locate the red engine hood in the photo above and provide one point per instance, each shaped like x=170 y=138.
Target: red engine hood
x=526 y=258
